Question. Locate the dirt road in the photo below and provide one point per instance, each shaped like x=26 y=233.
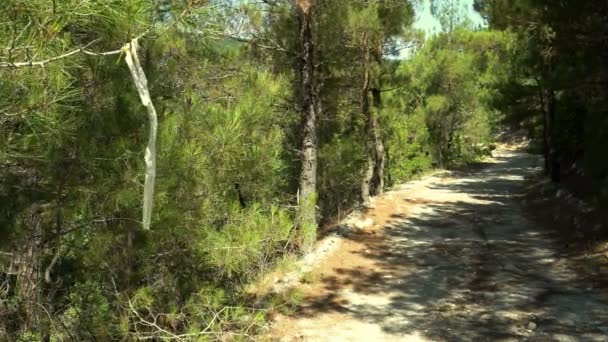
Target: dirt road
x=451 y=258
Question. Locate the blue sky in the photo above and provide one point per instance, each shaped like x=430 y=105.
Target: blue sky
x=425 y=20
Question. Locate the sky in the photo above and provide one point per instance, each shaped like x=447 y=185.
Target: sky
x=425 y=20
x=430 y=25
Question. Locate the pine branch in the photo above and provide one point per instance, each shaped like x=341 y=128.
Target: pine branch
x=42 y=63
x=255 y=42
x=82 y=49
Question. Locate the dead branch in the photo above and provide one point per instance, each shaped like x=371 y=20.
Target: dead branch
x=44 y=62
x=141 y=83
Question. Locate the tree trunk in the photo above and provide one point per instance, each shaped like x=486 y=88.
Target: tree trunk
x=379 y=160
x=552 y=164
x=541 y=95
x=548 y=104
x=308 y=101
x=388 y=165
x=440 y=153
x=553 y=157
x=376 y=111
x=27 y=269
x=373 y=178
x=368 y=174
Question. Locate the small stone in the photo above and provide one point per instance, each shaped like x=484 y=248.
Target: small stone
x=362 y=224
x=532 y=326
x=485 y=317
x=562 y=338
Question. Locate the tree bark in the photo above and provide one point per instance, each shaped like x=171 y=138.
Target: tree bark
x=541 y=97
x=308 y=111
x=368 y=173
x=548 y=103
x=388 y=165
x=379 y=160
x=553 y=157
x=373 y=177
x=378 y=53
x=552 y=164
x=28 y=272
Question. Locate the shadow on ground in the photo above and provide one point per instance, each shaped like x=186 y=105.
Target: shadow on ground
x=465 y=265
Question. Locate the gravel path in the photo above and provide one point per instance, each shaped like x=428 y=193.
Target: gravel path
x=451 y=258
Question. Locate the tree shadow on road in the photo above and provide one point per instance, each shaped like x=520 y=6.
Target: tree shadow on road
x=466 y=270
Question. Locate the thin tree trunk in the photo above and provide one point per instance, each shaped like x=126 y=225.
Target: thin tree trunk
x=547 y=126
x=541 y=95
x=27 y=269
x=440 y=153
x=551 y=135
x=379 y=159
x=388 y=165
x=50 y=288
x=308 y=151
x=368 y=173
x=552 y=164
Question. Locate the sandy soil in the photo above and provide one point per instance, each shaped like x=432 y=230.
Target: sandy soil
x=451 y=258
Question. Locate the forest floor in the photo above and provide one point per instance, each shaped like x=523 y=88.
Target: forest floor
x=452 y=257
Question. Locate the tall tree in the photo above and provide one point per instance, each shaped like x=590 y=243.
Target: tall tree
x=373 y=26
x=309 y=112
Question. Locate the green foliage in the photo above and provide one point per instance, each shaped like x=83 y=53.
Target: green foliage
x=87 y=316
x=73 y=136
x=557 y=56
x=453 y=87
x=340 y=160
x=247 y=241
x=408 y=146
